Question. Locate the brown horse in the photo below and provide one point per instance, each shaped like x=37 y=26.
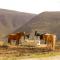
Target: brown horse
x=16 y=37
x=49 y=39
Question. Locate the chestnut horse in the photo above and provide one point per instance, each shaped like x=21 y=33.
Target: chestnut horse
x=16 y=37
x=50 y=39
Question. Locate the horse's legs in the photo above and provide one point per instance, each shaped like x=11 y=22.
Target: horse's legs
x=17 y=42
x=9 y=41
x=45 y=41
x=24 y=37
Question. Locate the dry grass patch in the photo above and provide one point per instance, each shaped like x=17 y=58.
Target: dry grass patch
x=2 y=43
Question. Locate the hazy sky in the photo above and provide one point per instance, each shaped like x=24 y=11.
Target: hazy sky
x=31 y=6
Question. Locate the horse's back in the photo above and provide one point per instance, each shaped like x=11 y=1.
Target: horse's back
x=49 y=37
x=16 y=35
x=11 y=36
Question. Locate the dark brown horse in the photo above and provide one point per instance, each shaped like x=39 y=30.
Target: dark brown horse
x=16 y=37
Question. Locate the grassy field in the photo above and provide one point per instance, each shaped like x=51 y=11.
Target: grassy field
x=12 y=52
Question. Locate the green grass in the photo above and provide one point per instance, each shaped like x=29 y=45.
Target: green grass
x=38 y=55
x=35 y=55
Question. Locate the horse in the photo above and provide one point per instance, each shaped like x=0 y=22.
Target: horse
x=38 y=34
x=27 y=35
x=17 y=36
x=49 y=39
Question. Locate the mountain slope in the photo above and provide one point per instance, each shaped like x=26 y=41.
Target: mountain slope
x=45 y=22
x=12 y=20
